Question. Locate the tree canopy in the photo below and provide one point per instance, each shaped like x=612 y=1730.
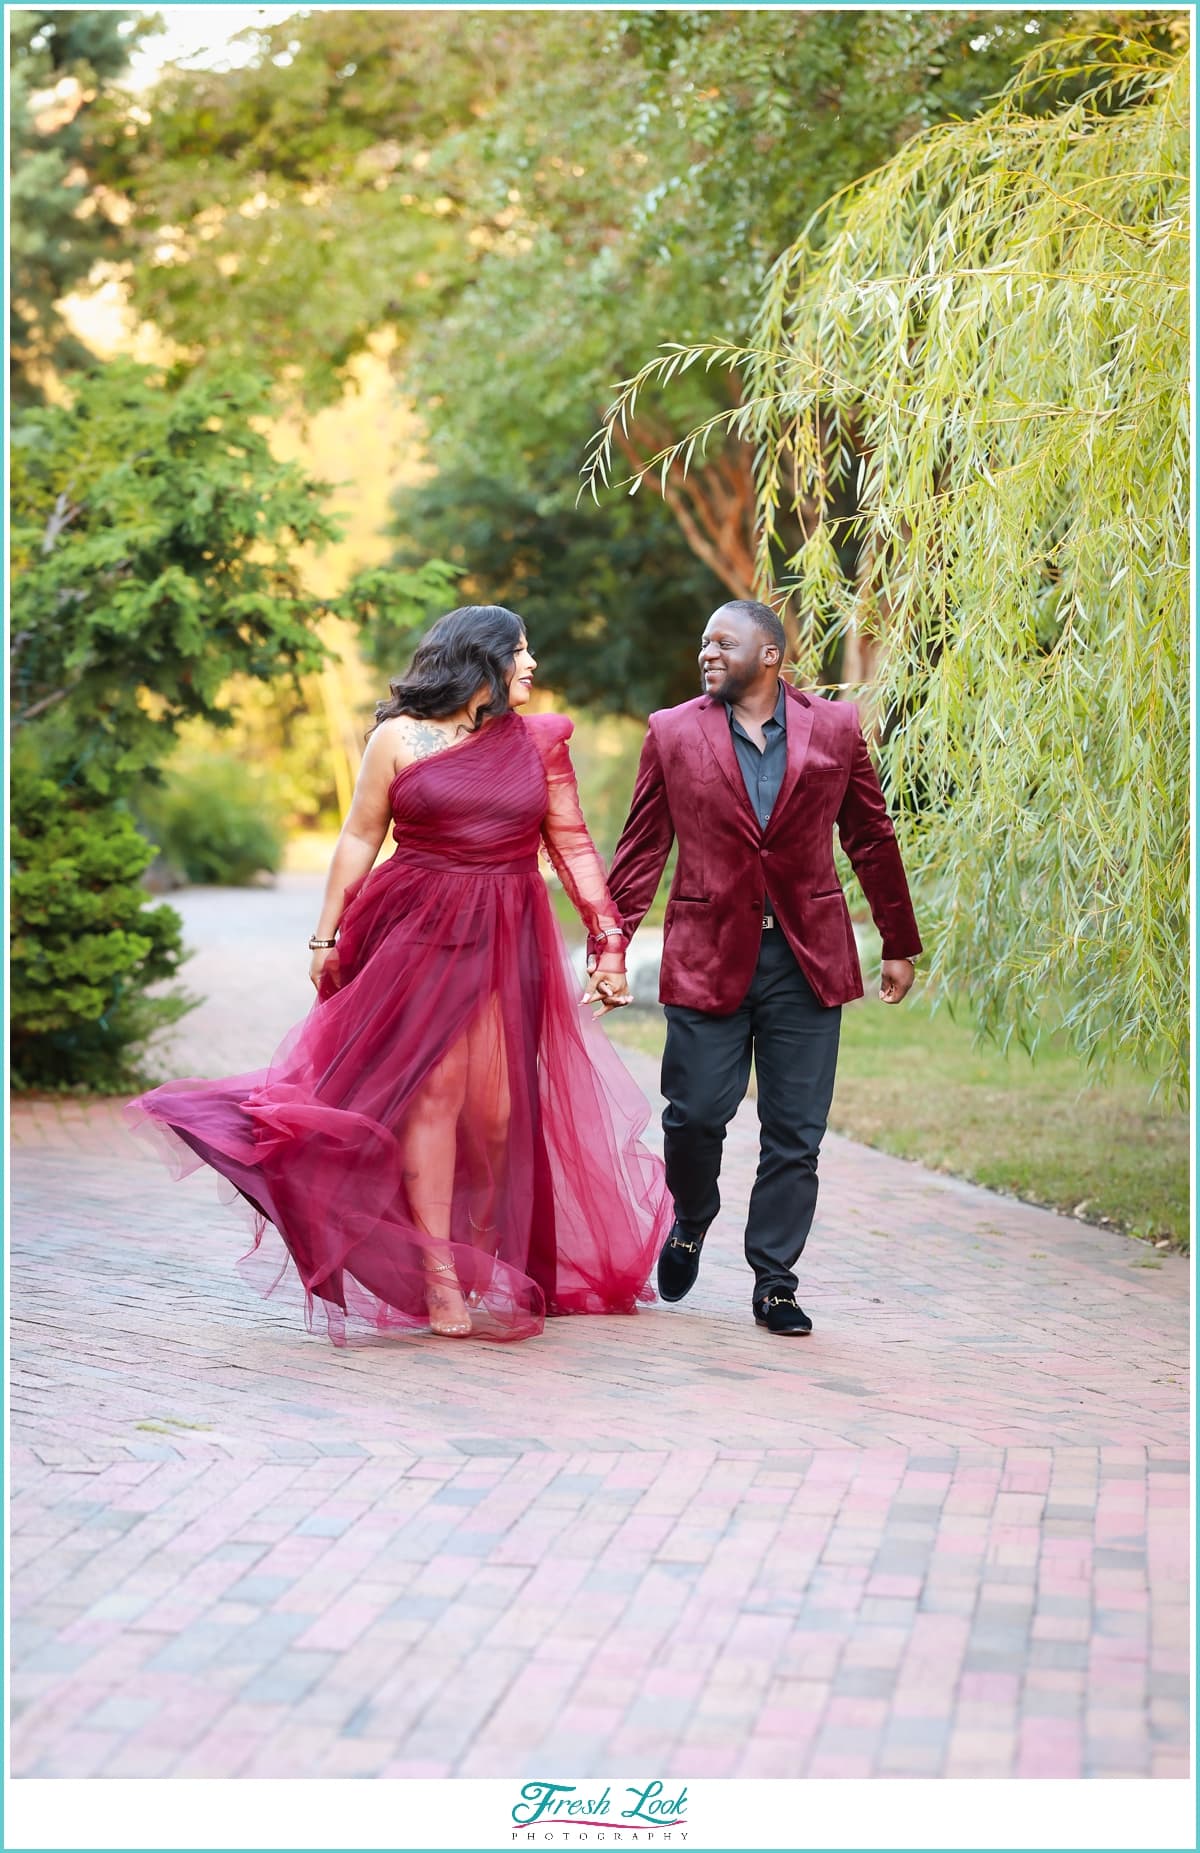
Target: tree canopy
x=989 y=338
x=529 y=229
x=63 y=65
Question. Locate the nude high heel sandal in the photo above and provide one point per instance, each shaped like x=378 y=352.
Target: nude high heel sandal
x=448 y=1315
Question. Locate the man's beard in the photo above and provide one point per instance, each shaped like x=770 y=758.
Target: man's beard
x=729 y=691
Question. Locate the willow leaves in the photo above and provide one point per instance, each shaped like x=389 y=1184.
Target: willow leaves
x=986 y=343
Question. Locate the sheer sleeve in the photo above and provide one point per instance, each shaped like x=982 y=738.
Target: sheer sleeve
x=570 y=848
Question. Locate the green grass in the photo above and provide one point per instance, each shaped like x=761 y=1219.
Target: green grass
x=914 y=1082
x=568 y=919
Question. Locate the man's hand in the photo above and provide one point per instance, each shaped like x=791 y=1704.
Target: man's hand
x=895 y=980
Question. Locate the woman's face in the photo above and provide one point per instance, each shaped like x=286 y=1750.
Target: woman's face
x=520 y=681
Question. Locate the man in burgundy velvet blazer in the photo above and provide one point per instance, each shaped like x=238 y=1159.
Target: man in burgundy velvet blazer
x=751 y=780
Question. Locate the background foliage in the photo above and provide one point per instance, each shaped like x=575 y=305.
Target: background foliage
x=153 y=545
x=529 y=202
x=85 y=944
x=930 y=376
x=613 y=602
x=990 y=335
x=154 y=556
x=214 y=819
x=63 y=71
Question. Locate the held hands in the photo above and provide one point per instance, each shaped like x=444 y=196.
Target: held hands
x=608 y=989
x=895 y=980
x=611 y=989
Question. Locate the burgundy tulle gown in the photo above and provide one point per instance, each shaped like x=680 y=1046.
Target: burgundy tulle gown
x=451 y=1101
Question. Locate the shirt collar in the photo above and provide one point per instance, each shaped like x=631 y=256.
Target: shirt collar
x=778 y=719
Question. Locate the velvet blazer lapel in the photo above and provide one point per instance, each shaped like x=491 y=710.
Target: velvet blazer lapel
x=800 y=717
x=714 y=724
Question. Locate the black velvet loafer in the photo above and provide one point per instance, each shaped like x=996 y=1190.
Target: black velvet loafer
x=780 y=1313
x=678 y=1264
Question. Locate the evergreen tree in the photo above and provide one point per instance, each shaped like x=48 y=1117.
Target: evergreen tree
x=62 y=64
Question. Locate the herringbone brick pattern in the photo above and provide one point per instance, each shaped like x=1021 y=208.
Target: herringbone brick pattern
x=945 y=1536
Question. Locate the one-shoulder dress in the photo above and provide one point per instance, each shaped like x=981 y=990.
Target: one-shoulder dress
x=453 y=1056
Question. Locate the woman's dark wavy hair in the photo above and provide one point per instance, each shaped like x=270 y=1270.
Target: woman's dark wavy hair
x=465 y=649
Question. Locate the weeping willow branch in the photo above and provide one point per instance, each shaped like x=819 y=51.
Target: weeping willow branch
x=985 y=344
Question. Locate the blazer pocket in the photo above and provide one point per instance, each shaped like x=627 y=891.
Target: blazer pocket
x=672 y=915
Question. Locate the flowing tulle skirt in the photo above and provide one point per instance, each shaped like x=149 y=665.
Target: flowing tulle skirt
x=449 y=1104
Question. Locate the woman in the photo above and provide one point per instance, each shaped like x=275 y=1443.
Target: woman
x=447 y=1142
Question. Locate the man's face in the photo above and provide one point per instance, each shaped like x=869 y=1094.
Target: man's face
x=733 y=654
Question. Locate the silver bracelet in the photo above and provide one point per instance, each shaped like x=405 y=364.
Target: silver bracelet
x=320 y=945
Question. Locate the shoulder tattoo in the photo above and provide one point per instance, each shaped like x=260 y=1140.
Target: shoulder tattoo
x=422 y=738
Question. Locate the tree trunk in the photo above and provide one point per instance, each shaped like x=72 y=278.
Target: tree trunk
x=714 y=505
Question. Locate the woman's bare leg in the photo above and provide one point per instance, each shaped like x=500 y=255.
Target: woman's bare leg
x=431 y=1145
x=486 y=1116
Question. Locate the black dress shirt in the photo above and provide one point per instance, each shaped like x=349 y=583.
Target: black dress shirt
x=763 y=770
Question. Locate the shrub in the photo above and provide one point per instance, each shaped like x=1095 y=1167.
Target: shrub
x=156 y=558
x=85 y=942
x=214 y=821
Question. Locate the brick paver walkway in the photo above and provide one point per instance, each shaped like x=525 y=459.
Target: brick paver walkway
x=945 y=1536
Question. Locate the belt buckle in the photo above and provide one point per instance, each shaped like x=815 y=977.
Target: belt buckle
x=768 y=920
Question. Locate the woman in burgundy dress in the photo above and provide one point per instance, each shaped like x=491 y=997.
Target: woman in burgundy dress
x=447 y=1141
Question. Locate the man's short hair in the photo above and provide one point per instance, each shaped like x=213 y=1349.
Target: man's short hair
x=763 y=618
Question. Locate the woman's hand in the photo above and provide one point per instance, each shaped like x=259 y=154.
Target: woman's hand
x=608 y=989
x=325 y=964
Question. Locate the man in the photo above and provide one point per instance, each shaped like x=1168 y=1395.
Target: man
x=758 y=949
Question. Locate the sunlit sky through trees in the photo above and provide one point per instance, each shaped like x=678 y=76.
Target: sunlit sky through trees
x=201 y=35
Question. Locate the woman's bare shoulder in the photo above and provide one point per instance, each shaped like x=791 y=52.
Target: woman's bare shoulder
x=406 y=738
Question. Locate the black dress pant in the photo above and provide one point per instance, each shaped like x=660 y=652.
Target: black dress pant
x=793 y=1039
